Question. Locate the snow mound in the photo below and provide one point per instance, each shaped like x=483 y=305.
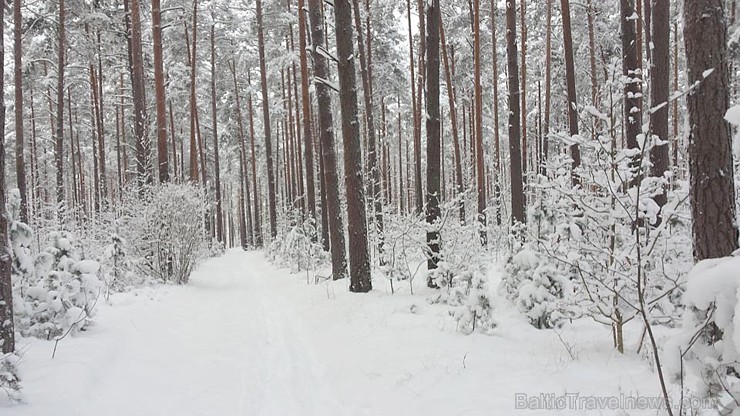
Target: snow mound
x=709 y=345
x=733 y=116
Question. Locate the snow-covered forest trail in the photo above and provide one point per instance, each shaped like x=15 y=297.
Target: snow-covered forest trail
x=247 y=339
x=223 y=345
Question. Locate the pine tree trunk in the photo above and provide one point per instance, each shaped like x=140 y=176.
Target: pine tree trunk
x=7 y=329
x=298 y=142
x=162 y=160
x=676 y=142
x=248 y=207
x=35 y=178
x=98 y=116
x=77 y=194
x=660 y=89
x=243 y=181
x=121 y=140
x=242 y=207
x=59 y=140
x=408 y=180
x=415 y=110
x=308 y=146
x=479 y=154
x=214 y=123
x=201 y=153
x=401 y=184
x=257 y=203
x=83 y=188
x=418 y=185
x=100 y=108
x=266 y=122
x=324 y=210
x=290 y=187
x=20 y=165
x=194 y=172
x=173 y=145
x=570 y=80
x=631 y=72
x=93 y=134
x=359 y=262
x=433 y=136
x=517 y=179
x=592 y=62
x=712 y=189
x=328 y=149
x=522 y=20
x=496 y=125
x=453 y=121
x=372 y=153
x=143 y=145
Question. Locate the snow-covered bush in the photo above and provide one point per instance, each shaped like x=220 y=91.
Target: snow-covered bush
x=467 y=296
x=117 y=268
x=402 y=257
x=63 y=292
x=216 y=248
x=460 y=273
x=9 y=379
x=298 y=249
x=539 y=287
x=58 y=289
x=708 y=349
x=165 y=231
x=21 y=239
x=600 y=231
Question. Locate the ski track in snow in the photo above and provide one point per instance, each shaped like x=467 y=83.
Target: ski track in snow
x=245 y=339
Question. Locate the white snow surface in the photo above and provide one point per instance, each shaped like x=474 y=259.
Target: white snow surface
x=247 y=339
x=733 y=115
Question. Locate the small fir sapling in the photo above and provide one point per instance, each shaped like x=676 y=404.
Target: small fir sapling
x=299 y=248
x=67 y=288
x=117 y=266
x=55 y=291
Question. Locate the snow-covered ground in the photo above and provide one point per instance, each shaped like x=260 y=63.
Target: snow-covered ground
x=247 y=339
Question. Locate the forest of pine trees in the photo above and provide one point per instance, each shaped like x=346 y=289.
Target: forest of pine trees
x=584 y=144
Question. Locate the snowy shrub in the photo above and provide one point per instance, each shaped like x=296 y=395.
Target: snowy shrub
x=298 y=249
x=538 y=286
x=58 y=289
x=404 y=245
x=165 y=231
x=216 y=248
x=467 y=296
x=117 y=268
x=608 y=238
x=708 y=349
x=603 y=237
x=21 y=238
x=63 y=293
x=460 y=273
x=9 y=379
